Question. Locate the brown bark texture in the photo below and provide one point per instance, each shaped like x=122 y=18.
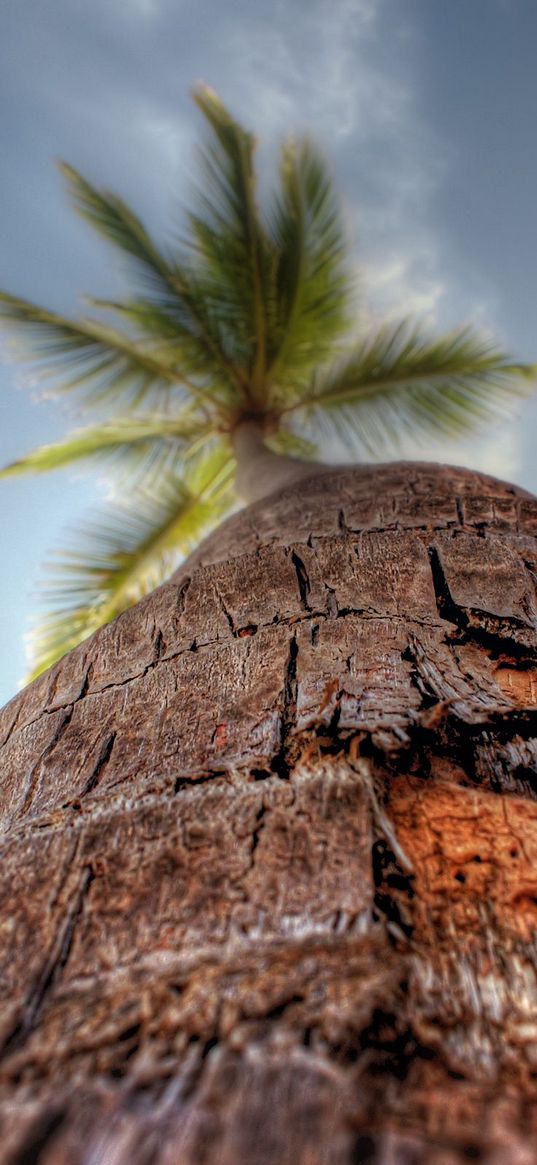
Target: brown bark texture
x=269 y=849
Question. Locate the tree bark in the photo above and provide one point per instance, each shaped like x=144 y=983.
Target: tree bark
x=269 y=878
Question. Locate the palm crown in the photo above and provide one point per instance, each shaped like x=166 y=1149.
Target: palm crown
x=250 y=318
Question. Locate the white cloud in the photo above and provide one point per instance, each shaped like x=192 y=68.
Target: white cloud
x=497 y=452
x=314 y=68
x=404 y=286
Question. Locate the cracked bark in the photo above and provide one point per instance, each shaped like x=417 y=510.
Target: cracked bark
x=269 y=844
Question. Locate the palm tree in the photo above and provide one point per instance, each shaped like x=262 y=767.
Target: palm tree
x=268 y=837
x=237 y=341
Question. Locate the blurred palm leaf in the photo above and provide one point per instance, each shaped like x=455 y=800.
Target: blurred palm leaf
x=169 y=285
x=124 y=439
x=88 y=355
x=398 y=384
x=231 y=247
x=125 y=551
x=312 y=284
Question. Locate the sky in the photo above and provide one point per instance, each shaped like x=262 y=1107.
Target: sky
x=426 y=109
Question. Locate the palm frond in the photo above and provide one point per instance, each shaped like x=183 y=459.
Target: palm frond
x=231 y=249
x=207 y=368
x=399 y=384
x=312 y=283
x=292 y=444
x=85 y=355
x=167 y=283
x=119 y=439
x=118 y=224
x=127 y=550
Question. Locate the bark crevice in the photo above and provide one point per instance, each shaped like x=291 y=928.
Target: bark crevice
x=53 y=966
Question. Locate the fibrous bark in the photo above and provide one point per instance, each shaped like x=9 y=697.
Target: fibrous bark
x=269 y=847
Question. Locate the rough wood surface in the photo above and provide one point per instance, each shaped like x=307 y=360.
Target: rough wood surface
x=268 y=885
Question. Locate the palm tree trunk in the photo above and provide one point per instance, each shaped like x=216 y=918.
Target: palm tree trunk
x=269 y=855
x=260 y=471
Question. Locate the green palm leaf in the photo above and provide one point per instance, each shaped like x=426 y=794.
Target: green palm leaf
x=170 y=286
x=230 y=242
x=126 y=551
x=292 y=444
x=118 y=224
x=200 y=357
x=101 y=363
x=398 y=384
x=122 y=439
x=312 y=282
x=86 y=355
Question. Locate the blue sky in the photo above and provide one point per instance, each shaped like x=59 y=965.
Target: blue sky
x=426 y=109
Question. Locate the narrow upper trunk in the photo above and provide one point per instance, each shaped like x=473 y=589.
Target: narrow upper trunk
x=268 y=864
x=260 y=471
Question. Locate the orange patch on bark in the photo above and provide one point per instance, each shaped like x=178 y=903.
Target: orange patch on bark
x=474 y=855
x=518 y=683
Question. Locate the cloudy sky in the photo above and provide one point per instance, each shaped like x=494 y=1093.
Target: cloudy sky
x=426 y=108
